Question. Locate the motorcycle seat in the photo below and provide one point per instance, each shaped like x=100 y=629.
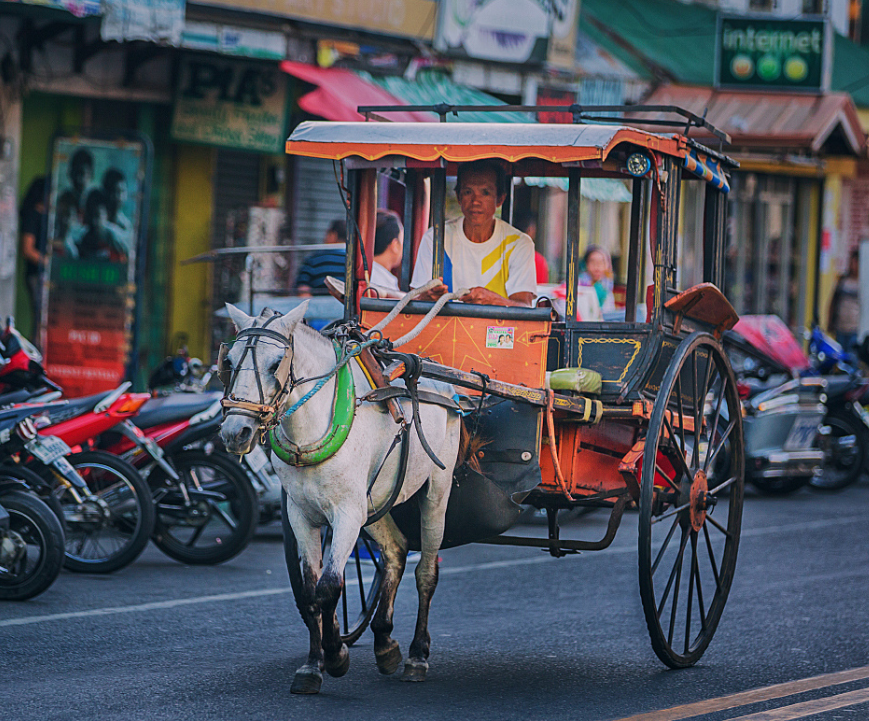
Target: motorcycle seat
x=174 y=407
x=75 y=407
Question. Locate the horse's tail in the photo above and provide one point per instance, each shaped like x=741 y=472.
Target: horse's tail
x=469 y=448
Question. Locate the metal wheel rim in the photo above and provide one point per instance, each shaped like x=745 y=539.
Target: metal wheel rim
x=681 y=628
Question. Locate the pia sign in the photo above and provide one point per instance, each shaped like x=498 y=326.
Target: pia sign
x=759 y=52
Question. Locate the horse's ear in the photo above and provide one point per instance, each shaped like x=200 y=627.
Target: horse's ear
x=288 y=322
x=241 y=319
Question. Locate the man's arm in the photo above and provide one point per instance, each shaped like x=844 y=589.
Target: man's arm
x=484 y=296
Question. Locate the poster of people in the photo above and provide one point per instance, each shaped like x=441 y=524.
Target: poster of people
x=94 y=216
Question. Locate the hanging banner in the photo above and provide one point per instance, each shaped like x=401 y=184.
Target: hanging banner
x=509 y=31
x=231 y=104
x=96 y=210
x=154 y=21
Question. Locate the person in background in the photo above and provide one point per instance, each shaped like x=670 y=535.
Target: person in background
x=598 y=274
x=388 y=250
x=311 y=279
x=32 y=228
x=526 y=221
x=482 y=253
x=845 y=305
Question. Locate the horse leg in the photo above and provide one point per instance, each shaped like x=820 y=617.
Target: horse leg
x=393 y=547
x=309 y=677
x=432 y=512
x=328 y=592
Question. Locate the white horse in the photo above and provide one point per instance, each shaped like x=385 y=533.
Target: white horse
x=334 y=492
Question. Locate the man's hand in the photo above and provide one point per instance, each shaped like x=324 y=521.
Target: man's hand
x=484 y=296
x=433 y=294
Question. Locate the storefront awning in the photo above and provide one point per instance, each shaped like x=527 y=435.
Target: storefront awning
x=339 y=92
x=431 y=87
x=798 y=121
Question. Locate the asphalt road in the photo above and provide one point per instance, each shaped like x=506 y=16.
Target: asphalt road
x=515 y=635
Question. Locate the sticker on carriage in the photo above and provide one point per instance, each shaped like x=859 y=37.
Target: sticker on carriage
x=802 y=433
x=500 y=336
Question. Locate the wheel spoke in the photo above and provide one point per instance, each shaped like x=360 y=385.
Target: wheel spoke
x=728 y=482
x=231 y=522
x=664 y=546
x=359 y=576
x=675 y=606
x=718 y=526
x=671 y=512
x=672 y=574
x=700 y=605
x=679 y=456
x=690 y=589
x=719 y=445
x=713 y=429
x=697 y=410
x=681 y=411
x=712 y=558
x=670 y=481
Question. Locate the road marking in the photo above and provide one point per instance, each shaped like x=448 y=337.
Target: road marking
x=809 y=708
x=448 y=571
x=758 y=695
x=222 y=597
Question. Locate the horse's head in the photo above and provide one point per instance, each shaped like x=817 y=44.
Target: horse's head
x=256 y=373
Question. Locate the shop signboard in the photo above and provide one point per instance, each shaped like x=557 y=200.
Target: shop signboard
x=79 y=8
x=507 y=31
x=767 y=52
x=97 y=208
x=562 y=39
x=403 y=18
x=231 y=104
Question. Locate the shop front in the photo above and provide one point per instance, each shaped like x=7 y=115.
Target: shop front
x=790 y=198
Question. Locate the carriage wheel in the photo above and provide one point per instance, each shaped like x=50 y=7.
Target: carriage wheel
x=363 y=576
x=690 y=501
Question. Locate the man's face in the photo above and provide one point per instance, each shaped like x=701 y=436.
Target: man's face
x=118 y=194
x=80 y=175
x=478 y=197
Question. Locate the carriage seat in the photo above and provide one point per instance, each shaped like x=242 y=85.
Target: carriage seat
x=578 y=380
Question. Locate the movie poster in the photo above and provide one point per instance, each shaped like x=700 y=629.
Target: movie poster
x=94 y=218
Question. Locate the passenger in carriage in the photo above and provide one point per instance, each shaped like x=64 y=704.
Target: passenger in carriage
x=491 y=258
x=388 y=251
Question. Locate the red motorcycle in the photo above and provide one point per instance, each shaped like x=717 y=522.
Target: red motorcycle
x=207 y=509
x=102 y=501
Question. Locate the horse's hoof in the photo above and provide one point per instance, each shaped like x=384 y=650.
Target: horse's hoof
x=414 y=671
x=307 y=681
x=338 y=666
x=389 y=660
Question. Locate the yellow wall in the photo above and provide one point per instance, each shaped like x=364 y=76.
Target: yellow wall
x=812 y=270
x=191 y=284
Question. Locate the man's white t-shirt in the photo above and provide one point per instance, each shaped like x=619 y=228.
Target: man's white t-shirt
x=382 y=278
x=503 y=264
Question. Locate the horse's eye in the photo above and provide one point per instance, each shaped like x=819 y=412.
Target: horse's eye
x=274 y=366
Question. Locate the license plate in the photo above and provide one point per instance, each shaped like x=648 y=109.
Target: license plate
x=257 y=459
x=863 y=413
x=802 y=433
x=48 y=448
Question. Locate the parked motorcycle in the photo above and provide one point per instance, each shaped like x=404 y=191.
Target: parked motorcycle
x=31 y=535
x=102 y=501
x=784 y=435
x=206 y=506
x=844 y=433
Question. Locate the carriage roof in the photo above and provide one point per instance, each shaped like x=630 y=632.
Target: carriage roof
x=461 y=142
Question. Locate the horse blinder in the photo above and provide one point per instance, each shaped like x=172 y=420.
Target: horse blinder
x=224 y=367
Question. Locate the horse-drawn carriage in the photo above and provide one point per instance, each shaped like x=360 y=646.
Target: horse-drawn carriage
x=622 y=415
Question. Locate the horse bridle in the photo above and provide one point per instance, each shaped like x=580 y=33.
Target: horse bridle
x=264 y=412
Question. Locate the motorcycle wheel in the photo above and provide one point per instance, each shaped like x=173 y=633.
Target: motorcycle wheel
x=842 y=467
x=38 y=485
x=221 y=516
x=110 y=533
x=38 y=535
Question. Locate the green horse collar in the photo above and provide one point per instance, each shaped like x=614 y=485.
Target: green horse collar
x=343 y=410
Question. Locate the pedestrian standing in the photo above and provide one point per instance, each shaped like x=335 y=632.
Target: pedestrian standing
x=845 y=305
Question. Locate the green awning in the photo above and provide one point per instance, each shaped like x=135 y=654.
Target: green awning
x=431 y=87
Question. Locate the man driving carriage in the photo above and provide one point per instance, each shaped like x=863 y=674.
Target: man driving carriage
x=490 y=257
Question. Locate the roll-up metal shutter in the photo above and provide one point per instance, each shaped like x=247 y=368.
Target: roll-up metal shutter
x=236 y=188
x=317 y=200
